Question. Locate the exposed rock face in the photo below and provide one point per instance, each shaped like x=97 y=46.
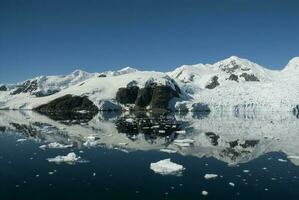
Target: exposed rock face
x=28 y=86
x=43 y=94
x=231 y=67
x=161 y=96
x=213 y=138
x=151 y=126
x=109 y=105
x=233 y=77
x=249 y=77
x=143 y=98
x=68 y=103
x=102 y=75
x=127 y=95
x=214 y=83
x=153 y=95
x=3 y=88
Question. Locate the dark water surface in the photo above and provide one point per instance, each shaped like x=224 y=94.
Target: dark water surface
x=223 y=145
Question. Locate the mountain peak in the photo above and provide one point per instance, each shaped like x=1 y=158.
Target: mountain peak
x=293 y=64
x=78 y=71
x=235 y=59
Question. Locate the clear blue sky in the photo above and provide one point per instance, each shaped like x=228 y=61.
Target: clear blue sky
x=45 y=37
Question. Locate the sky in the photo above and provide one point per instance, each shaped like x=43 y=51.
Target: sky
x=49 y=37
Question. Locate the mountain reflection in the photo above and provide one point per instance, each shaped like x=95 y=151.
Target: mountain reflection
x=230 y=138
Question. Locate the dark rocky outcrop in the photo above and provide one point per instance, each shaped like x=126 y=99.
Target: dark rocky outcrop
x=151 y=126
x=161 y=96
x=3 y=88
x=214 y=83
x=157 y=97
x=27 y=86
x=43 y=94
x=249 y=77
x=249 y=143
x=2 y=129
x=143 y=98
x=213 y=138
x=296 y=111
x=233 y=77
x=102 y=75
x=68 y=103
x=68 y=107
x=231 y=67
x=127 y=95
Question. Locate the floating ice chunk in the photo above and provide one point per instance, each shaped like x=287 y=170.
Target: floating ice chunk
x=231 y=184
x=161 y=131
x=69 y=158
x=282 y=160
x=122 y=144
x=246 y=171
x=204 y=193
x=82 y=111
x=55 y=145
x=21 y=140
x=168 y=150
x=210 y=176
x=165 y=167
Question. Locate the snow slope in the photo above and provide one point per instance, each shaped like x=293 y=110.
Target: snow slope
x=233 y=84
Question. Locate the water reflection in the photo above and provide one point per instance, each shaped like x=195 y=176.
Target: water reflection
x=230 y=138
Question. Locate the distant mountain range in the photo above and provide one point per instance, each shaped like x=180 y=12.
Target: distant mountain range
x=234 y=84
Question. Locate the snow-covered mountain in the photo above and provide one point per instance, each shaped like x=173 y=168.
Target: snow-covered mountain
x=233 y=84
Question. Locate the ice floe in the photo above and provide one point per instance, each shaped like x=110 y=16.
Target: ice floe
x=231 y=184
x=210 y=176
x=69 y=158
x=21 y=140
x=55 y=145
x=166 y=167
x=282 y=160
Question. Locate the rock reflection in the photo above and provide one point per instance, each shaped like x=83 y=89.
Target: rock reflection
x=229 y=138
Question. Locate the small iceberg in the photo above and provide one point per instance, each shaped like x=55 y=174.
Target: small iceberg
x=21 y=140
x=55 y=145
x=282 y=160
x=69 y=158
x=166 y=167
x=231 y=184
x=210 y=176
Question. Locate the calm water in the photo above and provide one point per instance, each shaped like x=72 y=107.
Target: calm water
x=117 y=164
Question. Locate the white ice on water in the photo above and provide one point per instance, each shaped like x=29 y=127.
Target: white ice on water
x=69 y=158
x=166 y=167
